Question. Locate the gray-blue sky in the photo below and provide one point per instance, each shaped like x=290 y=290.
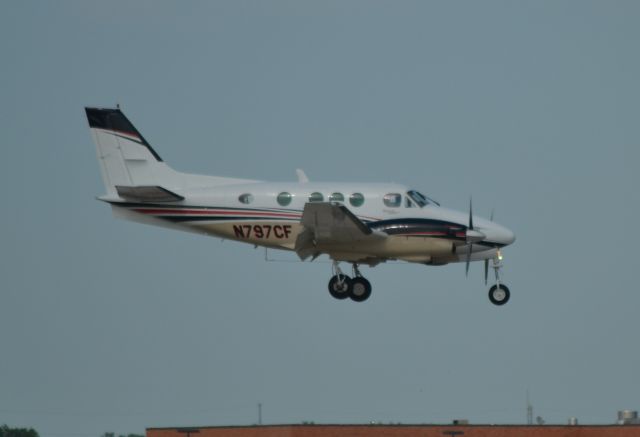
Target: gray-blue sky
x=531 y=107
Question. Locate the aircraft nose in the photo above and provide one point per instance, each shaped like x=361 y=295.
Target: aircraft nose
x=505 y=236
x=510 y=237
x=499 y=234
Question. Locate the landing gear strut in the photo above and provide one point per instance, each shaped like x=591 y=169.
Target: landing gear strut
x=342 y=286
x=339 y=284
x=360 y=287
x=499 y=294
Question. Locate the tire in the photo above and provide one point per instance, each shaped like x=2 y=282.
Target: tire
x=360 y=289
x=499 y=295
x=338 y=290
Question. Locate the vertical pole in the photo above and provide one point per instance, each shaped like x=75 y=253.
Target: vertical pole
x=259 y=414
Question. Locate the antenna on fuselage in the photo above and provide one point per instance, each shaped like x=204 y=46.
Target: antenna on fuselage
x=302 y=177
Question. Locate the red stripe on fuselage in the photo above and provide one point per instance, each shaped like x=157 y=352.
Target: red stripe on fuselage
x=214 y=212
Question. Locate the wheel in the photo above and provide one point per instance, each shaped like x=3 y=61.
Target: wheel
x=360 y=289
x=340 y=290
x=499 y=295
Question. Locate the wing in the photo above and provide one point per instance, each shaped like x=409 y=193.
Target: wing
x=328 y=225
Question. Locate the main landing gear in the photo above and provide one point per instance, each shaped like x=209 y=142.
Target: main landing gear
x=499 y=294
x=342 y=286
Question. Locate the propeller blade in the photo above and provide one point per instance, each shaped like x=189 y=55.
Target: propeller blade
x=466 y=268
x=486 y=271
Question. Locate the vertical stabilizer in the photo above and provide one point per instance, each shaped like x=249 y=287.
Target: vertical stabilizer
x=126 y=158
x=131 y=168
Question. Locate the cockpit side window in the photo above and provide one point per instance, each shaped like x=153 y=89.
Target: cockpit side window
x=408 y=203
x=420 y=199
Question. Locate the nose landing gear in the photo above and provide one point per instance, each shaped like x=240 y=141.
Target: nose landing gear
x=342 y=286
x=499 y=294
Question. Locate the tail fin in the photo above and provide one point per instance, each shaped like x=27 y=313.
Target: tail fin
x=126 y=158
x=132 y=170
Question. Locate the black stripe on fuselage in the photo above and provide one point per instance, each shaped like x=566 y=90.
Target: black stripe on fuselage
x=430 y=228
x=409 y=226
x=417 y=226
x=133 y=205
x=490 y=244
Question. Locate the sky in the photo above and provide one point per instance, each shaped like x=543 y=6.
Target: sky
x=529 y=107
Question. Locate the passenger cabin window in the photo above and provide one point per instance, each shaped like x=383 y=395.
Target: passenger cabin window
x=284 y=198
x=392 y=200
x=336 y=197
x=356 y=199
x=316 y=197
x=245 y=198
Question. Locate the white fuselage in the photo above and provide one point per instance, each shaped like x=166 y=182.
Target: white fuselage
x=258 y=213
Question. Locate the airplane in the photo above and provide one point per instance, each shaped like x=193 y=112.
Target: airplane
x=354 y=223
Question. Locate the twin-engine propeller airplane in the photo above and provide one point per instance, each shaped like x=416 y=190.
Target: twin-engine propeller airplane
x=356 y=223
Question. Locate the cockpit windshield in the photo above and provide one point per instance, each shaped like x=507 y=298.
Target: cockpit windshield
x=420 y=199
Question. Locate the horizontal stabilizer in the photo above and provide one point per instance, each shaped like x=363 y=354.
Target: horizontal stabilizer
x=147 y=194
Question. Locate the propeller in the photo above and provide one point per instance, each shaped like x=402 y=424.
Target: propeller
x=486 y=271
x=472 y=235
x=470 y=228
x=486 y=261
